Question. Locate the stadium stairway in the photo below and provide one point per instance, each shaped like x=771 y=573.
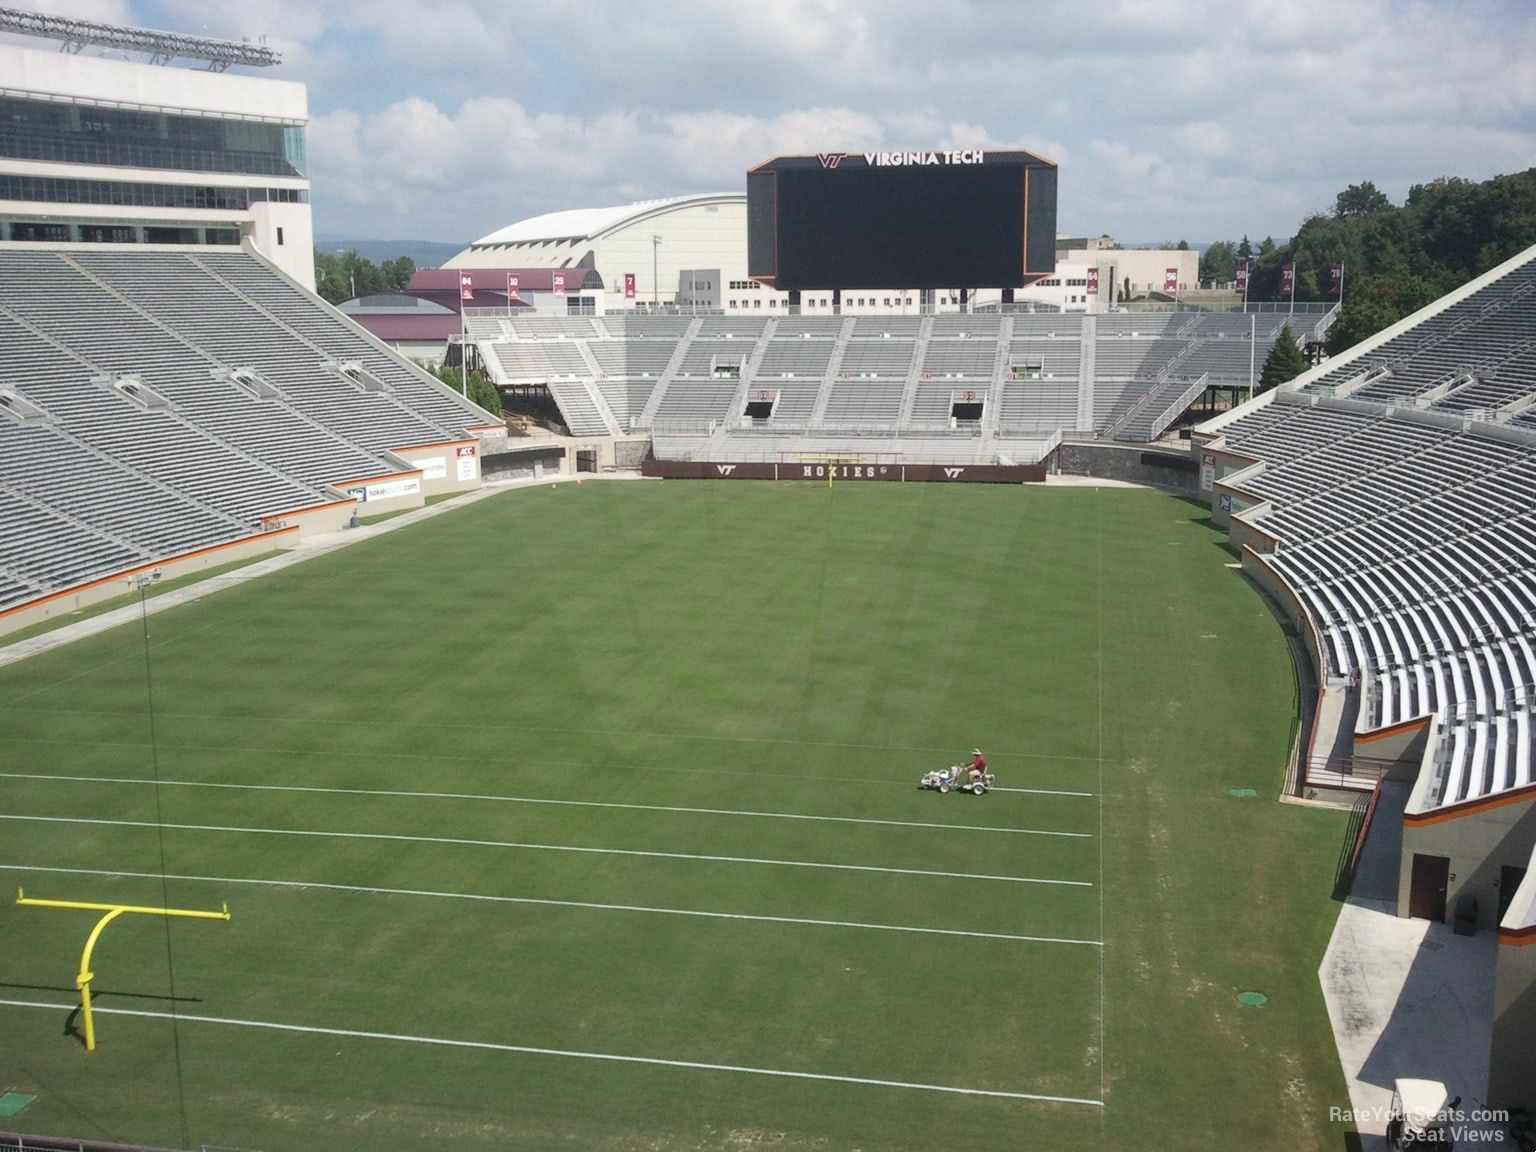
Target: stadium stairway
x=1150 y=416
x=915 y=373
x=1085 y=374
x=747 y=374
x=992 y=412
x=834 y=366
x=585 y=412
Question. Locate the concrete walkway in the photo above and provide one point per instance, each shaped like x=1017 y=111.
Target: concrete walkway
x=1054 y=478
x=307 y=549
x=1406 y=998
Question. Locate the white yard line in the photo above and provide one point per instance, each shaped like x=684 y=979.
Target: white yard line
x=1103 y=1024
x=622 y=733
x=536 y=800
x=372 y=754
x=593 y=905
x=543 y=848
x=527 y=1050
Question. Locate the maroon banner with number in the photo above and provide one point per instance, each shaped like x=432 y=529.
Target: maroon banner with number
x=629 y=285
x=1288 y=279
x=1171 y=280
x=558 y=283
x=1093 y=281
x=1335 y=278
x=513 y=291
x=466 y=286
x=1242 y=278
x=794 y=470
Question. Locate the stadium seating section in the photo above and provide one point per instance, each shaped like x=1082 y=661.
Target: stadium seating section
x=1407 y=530
x=154 y=404
x=1125 y=376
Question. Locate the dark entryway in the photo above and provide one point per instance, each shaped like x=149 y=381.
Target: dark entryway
x=586 y=460
x=1510 y=878
x=1426 y=892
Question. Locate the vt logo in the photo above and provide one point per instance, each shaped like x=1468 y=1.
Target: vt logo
x=953 y=472
x=726 y=469
x=830 y=159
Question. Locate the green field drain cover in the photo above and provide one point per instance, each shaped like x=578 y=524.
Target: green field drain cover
x=13 y=1102
x=1245 y=791
x=1252 y=998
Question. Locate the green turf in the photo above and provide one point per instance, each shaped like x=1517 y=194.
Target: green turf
x=756 y=648
x=428 y=502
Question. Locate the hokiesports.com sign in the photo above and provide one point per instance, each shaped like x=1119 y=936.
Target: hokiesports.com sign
x=899 y=473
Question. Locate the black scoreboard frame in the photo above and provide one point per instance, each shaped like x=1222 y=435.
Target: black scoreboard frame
x=782 y=248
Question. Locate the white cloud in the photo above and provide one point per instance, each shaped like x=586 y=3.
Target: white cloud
x=1200 y=118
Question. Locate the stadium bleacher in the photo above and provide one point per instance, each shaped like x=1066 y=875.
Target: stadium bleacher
x=157 y=403
x=1408 y=532
x=1414 y=552
x=887 y=374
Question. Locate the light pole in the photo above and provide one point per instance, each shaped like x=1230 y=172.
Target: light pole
x=655 y=279
x=140 y=582
x=1253 y=332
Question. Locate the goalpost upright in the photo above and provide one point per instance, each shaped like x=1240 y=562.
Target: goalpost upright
x=113 y=911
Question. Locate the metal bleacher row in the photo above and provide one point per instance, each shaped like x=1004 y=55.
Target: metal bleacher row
x=1123 y=375
x=1408 y=531
x=156 y=403
x=1477 y=356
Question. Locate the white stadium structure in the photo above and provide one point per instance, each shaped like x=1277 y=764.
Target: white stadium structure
x=101 y=151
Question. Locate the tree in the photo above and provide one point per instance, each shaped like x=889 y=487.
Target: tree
x=480 y=390
x=342 y=275
x=1183 y=246
x=1267 y=246
x=1375 y=303
x=1219 y=262
x=1244 y=249
x=1363 y=199
x=397 y=273
x=1284 y=362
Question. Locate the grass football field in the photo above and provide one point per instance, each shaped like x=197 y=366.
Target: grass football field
x=586 y=818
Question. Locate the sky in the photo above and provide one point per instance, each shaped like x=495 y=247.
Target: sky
x=1169 y=119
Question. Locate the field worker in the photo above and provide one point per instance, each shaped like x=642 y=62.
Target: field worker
x=978 y=765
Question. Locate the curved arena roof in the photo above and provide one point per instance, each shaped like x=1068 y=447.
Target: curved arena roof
x=591 y=223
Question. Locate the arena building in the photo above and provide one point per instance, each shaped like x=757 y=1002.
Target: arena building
x=690 y=252
x=112 y=151
x=648 y=254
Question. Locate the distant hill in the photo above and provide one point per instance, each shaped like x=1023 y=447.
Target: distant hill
x=426 y=253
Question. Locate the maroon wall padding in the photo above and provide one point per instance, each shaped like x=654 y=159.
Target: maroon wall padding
x=909 y=473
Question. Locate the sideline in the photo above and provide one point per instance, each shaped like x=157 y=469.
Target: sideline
x=526 y=1050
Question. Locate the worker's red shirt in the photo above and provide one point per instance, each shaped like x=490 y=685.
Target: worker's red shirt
x=980 y=763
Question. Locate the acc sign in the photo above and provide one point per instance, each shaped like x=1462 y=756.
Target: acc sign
x=466 y=462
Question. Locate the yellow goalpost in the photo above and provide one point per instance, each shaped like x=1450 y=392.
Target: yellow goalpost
x=113 y=911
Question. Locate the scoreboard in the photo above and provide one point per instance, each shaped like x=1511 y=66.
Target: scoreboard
x=931 y=219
